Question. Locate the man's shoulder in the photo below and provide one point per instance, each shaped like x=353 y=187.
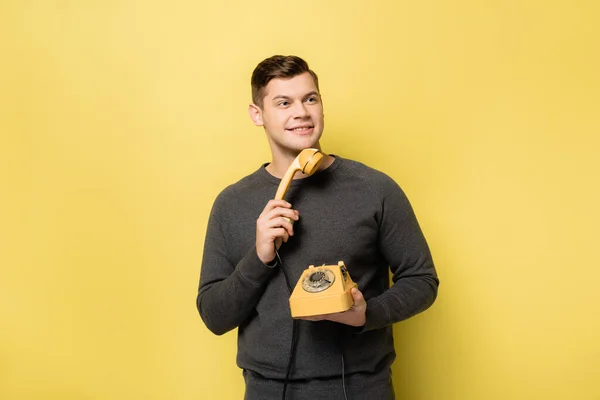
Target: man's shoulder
x=244 y=188
x=248 y=182
x=369 y=174
x=376 y=182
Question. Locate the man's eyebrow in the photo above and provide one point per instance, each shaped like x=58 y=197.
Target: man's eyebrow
x=284 y=97
x=281 y=96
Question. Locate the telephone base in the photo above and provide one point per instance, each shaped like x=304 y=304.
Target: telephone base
x=334 y=303
x=322 y=290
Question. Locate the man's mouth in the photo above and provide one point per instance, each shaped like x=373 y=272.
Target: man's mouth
x=300 y=129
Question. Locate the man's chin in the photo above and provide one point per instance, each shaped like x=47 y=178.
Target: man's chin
x=308 y=145
x=305 y=142
x=296 y=145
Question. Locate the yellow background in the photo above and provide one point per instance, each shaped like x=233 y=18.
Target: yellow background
x=121 y=120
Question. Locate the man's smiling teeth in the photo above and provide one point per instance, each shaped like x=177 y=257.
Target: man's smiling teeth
x=302 y=128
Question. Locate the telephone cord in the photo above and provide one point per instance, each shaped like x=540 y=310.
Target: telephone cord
x=294 y=338
x=294 y=329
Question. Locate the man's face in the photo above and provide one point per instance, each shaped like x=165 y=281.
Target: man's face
x=292 y=114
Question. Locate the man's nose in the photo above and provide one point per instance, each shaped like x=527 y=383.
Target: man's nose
x=300 y=110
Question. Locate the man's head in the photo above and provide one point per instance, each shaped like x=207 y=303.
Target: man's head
x=287 y=103
x=280 y=67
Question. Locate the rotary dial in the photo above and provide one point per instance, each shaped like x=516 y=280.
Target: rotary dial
x=318 y=280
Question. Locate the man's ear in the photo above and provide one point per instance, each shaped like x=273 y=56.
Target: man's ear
x=255 y=114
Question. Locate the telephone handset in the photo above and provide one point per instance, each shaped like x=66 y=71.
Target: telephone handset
x=320 y=290
x=308 y=162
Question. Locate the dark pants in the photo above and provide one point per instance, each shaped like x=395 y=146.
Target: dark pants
x=260 y=388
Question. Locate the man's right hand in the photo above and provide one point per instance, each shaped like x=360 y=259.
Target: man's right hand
x=272 y=224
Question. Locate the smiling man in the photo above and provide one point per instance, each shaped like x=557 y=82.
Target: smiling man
x=345 y=211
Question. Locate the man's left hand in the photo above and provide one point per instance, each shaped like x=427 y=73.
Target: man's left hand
x=355 y=316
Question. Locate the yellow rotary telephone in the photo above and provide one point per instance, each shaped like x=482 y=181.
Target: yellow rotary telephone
x=320 y=290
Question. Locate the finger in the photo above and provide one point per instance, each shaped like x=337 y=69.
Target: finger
x=274 y=204
x=281 y=212
x=334 y=317
x=276 y=220
x=279 y=233
x=358 y=297
x=281 y=222
x=313 y=318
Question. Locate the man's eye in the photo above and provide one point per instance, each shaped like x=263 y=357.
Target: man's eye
x=283 y=103
x=311 y=99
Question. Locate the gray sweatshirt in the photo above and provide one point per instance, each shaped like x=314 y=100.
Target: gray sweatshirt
x=348 y=212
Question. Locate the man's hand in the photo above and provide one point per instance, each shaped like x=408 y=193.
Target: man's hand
x=272 y=224
x=355 y=316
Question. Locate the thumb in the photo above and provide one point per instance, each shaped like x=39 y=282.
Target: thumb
x=358 y=297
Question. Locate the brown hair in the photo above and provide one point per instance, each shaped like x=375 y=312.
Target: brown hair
x=282 y=67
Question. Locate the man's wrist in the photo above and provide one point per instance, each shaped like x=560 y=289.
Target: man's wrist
x=273 y=263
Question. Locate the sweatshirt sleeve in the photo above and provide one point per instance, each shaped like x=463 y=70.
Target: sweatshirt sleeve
x=228 y=292
x=403 y=245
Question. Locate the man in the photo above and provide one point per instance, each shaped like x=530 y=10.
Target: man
x=346 y=212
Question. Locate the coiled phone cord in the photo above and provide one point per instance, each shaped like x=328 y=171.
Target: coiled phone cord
x=294 y=338
x=294 y=329
x=343 y=372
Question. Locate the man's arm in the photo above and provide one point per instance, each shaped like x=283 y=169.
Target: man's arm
x=403 y=245
x=414 y=277
x=228 y=292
